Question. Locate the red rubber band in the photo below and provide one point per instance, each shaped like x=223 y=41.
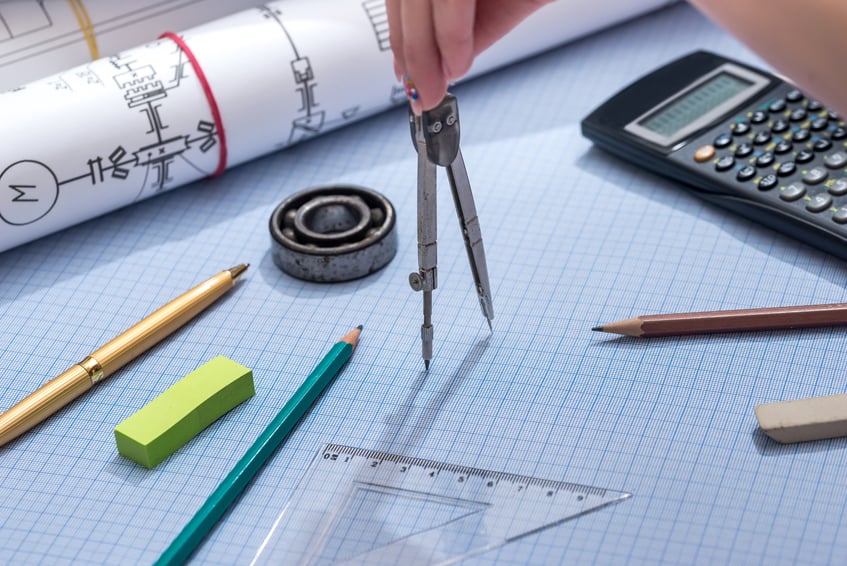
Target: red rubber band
x=210 y=97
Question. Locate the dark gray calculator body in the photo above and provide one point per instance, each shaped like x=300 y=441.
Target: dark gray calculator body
x=739 y=137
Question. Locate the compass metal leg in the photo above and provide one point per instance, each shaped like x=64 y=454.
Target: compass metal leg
x=426 y=279
x=471 y=232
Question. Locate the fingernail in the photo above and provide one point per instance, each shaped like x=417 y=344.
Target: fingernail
x=409 y=87
x=413 y=95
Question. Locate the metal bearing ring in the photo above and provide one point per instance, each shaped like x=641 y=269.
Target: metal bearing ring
x=333 y=233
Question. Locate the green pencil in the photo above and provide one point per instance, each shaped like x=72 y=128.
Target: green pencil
x=234 y=483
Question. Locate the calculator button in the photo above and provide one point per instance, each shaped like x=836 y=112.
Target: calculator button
x=704 y=153
x=840 y=216
x=814 y=106
x=762 y=138
x=798 y=115
x=777 y=106
x=801 y=135
x=819 y=124
x=804 y=156
x=723 y=140
x=783 y=147
x=725 y=163
x=815 y=175
x=765 y=160
x=743 y=150
x=819 y=203
x=839 y=188
x=746 y=173
x=739 y=128
x=794 y=96
x=779 y=126
x=822 y=144
x=768 y=182
x=758 y=117
x=786 y=169
x=793 y=192
x=832 y=115
x=838 y=133
x=835 y=160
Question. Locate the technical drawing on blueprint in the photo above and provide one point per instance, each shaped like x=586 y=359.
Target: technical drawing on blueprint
x=140 y=121
x=42 y=37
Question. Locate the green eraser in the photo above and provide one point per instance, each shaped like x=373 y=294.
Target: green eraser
x=184 y=409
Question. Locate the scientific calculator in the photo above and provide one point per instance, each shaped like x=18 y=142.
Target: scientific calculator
x=739 y=137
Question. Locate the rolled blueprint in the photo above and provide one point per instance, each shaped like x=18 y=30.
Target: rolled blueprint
x=146 y=120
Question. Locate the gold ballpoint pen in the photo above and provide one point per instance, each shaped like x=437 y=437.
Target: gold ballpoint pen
x=113 y=355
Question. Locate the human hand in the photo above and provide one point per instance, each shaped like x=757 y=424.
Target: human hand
x=803 y=40
x=435 y=41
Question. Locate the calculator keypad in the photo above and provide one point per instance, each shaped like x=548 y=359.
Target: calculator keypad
x=787 y=147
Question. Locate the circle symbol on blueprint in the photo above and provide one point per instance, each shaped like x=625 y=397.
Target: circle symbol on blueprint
x=28 y=191
x=333 y=233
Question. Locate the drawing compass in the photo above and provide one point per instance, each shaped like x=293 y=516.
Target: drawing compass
x=435 y=134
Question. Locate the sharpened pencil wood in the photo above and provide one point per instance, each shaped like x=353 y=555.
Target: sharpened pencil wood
x=628 y=327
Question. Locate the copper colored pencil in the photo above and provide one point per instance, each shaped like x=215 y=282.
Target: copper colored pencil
x=741 y=320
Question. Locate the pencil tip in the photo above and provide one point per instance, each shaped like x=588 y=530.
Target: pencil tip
x=352 y=337
x=597 y=329
x=236 y=271
x=360 y=327
x=426 y=365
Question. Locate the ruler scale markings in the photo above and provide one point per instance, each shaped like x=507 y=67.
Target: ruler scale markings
x=355 y=505
x=454 y=468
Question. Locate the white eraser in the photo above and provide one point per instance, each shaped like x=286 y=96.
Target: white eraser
x=800 y=420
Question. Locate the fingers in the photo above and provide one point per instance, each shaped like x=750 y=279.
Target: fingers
x=435 y=41
x=420 y=54
x=454 y=33
x=393 y=9
x=498 y=18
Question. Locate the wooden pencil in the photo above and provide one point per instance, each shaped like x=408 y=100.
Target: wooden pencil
x=741 y=320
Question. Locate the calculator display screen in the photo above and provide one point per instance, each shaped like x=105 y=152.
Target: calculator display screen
x=695 y=104
x=700 y=104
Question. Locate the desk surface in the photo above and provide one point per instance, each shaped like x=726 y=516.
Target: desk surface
x=574 y=238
